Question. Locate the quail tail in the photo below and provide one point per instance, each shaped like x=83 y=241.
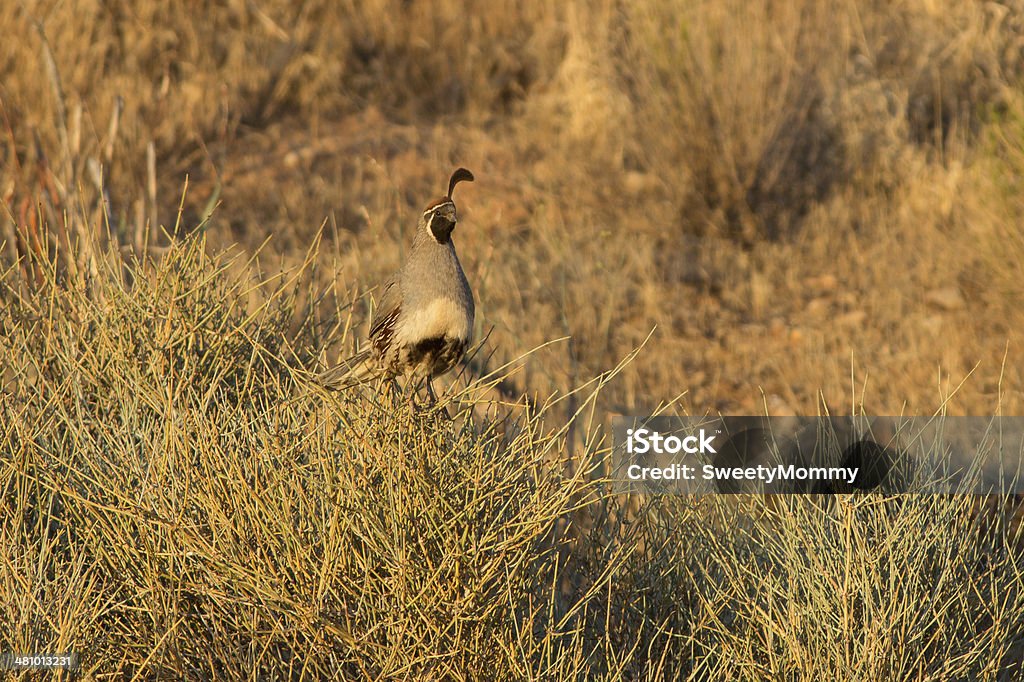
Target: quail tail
x=352 y=372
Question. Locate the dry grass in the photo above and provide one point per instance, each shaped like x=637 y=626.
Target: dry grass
x=181 y=503
x=810 y=201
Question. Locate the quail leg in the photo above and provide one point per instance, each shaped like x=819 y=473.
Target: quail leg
x=409 y=391
x=394 y=391
x=433 y=398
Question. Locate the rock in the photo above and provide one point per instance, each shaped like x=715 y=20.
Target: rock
x=818 y=307
x=933 y=324
x=778 y=407
x=635 y=182
x=947 y=298
x=854 y=318
x=822 y=283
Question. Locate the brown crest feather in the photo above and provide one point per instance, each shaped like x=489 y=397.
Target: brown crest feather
x=458 y=176
x=435 y=203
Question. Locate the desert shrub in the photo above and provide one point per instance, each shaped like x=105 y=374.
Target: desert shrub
x=178 y=499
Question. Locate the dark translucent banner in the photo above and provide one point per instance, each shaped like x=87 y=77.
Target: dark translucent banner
x=702 y=455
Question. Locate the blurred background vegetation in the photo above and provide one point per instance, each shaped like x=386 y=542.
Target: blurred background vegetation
x=809 y=199
x=810 y=202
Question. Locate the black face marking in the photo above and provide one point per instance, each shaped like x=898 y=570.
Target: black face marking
x=441 y=228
